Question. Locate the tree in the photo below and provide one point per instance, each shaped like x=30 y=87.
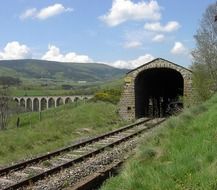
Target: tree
x=9 y=81
x=205 y=55
x=202 y=84
x=4 y=107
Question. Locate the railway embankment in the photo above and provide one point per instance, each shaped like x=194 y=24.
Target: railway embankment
x=181 y=155
x=54 y=129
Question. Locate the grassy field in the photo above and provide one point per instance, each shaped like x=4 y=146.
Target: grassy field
x=36 y=88
x=40 y=92
x=58 y=127
x=181 y=156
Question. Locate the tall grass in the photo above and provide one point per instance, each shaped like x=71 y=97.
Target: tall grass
x=182 y=155
x=58 y=127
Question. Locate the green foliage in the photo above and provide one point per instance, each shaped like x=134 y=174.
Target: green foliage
x=58 y=127
x=205 y=57
x=9 y=81
x=109 y=95
x=7 y=106
x=180 y=155
x=202 y=83
x=147 y=154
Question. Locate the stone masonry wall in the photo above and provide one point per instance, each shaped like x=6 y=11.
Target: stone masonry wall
x=127 y=101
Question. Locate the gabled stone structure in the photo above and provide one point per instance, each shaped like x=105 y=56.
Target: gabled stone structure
x=154 y=85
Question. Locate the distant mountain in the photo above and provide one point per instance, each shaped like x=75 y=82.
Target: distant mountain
x=37 y=69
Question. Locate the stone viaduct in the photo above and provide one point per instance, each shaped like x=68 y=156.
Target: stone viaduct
x=152 y=87
x=40 y=103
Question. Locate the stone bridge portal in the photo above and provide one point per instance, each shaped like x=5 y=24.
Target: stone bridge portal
x=150 y=88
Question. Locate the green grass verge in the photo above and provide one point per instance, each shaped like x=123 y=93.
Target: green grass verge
x=181 y=156
x=58 y=127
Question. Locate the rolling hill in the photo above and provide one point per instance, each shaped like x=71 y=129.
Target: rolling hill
x=38 y=69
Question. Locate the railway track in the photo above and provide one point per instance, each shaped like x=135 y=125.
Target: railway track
x=25 y=174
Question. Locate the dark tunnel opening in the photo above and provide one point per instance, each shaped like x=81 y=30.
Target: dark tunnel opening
x=155 y=90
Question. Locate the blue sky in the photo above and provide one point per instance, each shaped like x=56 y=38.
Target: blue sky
x=121 y=33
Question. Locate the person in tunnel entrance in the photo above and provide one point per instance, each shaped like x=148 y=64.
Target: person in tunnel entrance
x=154 y=108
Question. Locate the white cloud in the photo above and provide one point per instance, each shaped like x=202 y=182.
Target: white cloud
x=135 y=38
x=178 y=49
x=132 y=63
x=132 y=44
x=15 y=50
x=158 y=38
x=52 y=10
x=46 y=12
x=54 y=54
x=28 y=13
x=157 y=27
x=124 y=10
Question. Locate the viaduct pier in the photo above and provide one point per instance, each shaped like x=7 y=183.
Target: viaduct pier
x=40 y=103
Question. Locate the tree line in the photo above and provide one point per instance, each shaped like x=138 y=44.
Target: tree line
x=204 y=64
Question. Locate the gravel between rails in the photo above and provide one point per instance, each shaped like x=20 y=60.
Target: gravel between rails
x=70 y=176
x=85 y=167
x=74 y=174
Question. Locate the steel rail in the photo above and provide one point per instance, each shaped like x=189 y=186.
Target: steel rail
x=97 y=178
x=42 y=175
x=38 y=159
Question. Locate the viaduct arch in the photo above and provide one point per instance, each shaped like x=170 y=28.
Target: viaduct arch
x=40 y=103
x=150 y=88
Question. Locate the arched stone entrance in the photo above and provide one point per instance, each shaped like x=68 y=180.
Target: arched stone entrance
x=154 y=89
x=43 y=104
x=150 y=88
x=51 y=103
x=59 y=101
x=36 y=104
x=22 y=102
x=68 y=100
x=76 y=99
x=29 y=104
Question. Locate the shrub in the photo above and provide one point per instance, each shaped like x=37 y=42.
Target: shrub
x=110 y=95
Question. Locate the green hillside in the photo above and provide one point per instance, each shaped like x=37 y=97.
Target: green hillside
x=39 y=69
x=180 y=156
